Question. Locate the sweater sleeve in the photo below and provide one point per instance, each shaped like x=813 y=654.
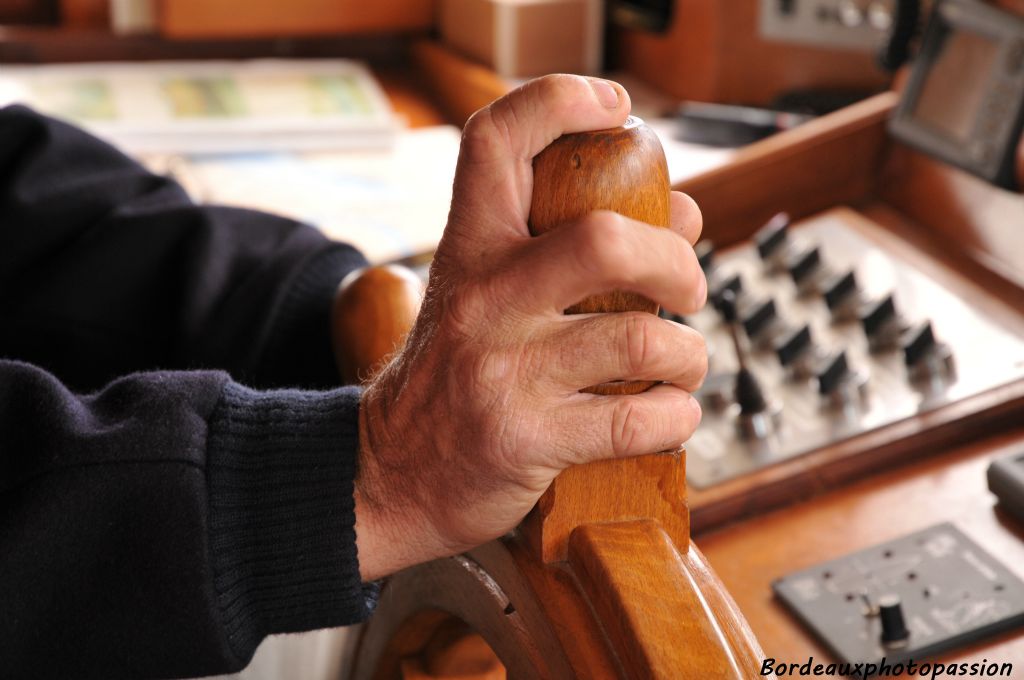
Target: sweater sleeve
x=163 y=526
x=107 y=269
x=160 y=524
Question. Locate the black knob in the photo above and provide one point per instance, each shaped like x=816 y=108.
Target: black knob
x=879 y=315
x=890 y=612
x=725 y=302
x=840 y=288
x=749 y=394
x=832 y=374
x=772 y=235
x=760 y=316
x=705 y=251
x=793 y=345
x=733 y=285
x=918 y=342
x=804 y=264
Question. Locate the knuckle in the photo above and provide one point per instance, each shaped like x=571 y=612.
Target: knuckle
x=631 y=425
x=485 y=134
x=602 y=243
x=492 y=368
x=640 y=343
x=464 y=309
x=560 y=87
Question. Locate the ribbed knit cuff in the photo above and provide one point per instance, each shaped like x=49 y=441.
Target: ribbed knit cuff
x=280 y=468
x=301 y=327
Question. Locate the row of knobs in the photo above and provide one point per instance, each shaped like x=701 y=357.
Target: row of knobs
x=758 y=320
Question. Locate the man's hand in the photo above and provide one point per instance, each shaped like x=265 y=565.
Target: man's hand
x=470 y=423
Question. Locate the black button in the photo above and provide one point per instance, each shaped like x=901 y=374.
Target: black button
x=879 y=315
x=917 y=343
x=734 y=284
x=839 y=288
x=833 y=373
x=772 y=235
x=804 y=263
x=749 y=395
x=890 y=612
x=793 y=345
x=759 y=317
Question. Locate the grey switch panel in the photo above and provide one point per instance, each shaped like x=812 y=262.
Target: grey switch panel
x=861 y=25
x=911 y=598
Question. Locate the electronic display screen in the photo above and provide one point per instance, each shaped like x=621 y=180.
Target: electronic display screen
x=964 y=101
x=956 y=85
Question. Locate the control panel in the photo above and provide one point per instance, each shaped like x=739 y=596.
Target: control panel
x=849 y=24
x=818 y=333
x=910 y=598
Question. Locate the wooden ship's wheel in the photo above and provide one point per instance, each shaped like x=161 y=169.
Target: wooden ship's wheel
x=600 y=580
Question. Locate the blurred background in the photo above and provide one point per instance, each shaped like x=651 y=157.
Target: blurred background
x=358 y=104
x=347 y=114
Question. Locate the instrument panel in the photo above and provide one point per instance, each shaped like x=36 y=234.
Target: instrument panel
x=840 y=336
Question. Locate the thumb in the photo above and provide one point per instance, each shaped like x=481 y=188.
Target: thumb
x=494 y=177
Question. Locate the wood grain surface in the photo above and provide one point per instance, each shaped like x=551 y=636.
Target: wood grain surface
x=374 y=310
x=948 y=486
x=272 y=18
x=713 y=51
x=459 y=86
x=830 y=161
x=600 y=581
x=654 y=599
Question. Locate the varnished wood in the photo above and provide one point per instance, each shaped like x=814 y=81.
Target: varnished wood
x=650 y=486
x=956 y=207
x=35 y=44
x=418 y=602
x=949 y=486
x=28 y=12
x=713 y=51
x=459 y=85
x=457 y=652
x=832 y=160
x=601 y=580
x=622 y=170
x=641 y=587
x=374 y=310
x=85 y=13
x=272 y=18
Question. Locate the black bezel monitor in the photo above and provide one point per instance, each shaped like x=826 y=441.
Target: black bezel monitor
x=964 y=102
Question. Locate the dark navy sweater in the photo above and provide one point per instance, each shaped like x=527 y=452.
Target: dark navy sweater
x=157 y=517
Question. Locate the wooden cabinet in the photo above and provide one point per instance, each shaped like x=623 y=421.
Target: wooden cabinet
x=264 y=18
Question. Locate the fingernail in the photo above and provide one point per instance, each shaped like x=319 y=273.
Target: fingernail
x=606 y=94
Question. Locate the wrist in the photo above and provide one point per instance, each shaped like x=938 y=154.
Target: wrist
x=392 y=529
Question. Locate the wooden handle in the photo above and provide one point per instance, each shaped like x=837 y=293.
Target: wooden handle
x=374 y=309
x=622 y=170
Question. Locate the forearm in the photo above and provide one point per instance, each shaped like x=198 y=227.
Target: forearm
x=164 y=526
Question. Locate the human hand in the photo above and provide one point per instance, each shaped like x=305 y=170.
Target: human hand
x=464 y=430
